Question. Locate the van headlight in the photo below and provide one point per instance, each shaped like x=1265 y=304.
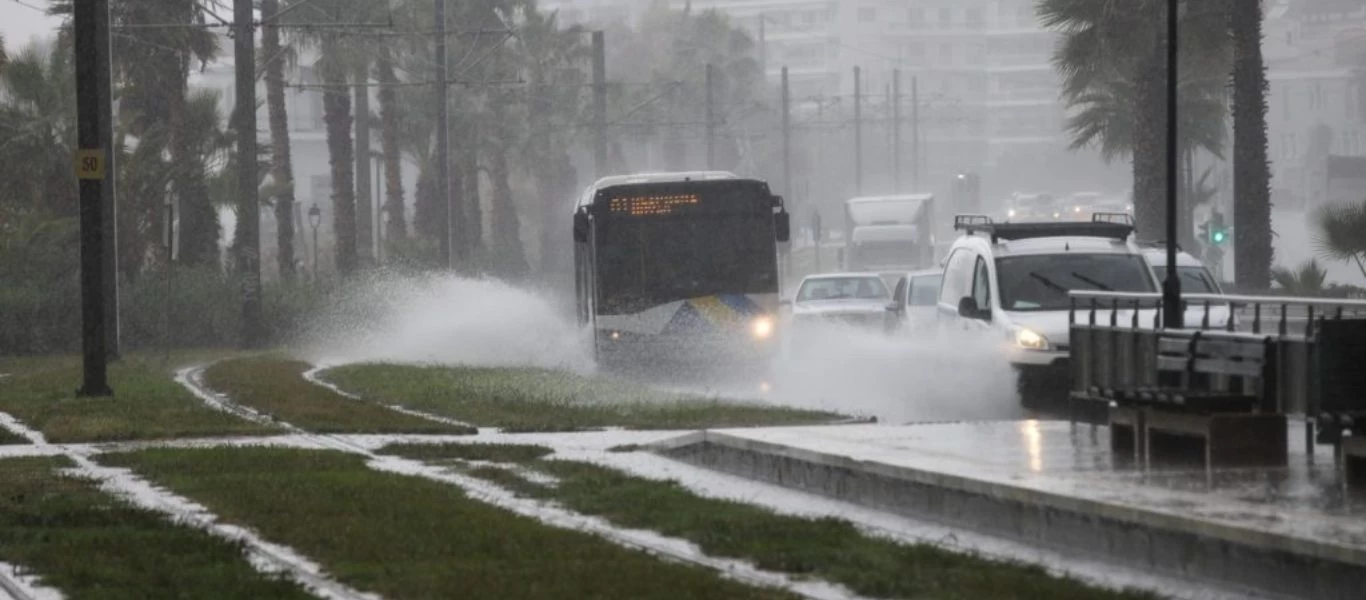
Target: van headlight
x=1030 y=339
x=762 y=328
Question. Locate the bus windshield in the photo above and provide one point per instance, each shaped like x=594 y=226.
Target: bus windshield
x=643 y=263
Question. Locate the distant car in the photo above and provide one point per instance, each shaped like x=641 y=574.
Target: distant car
x=857 y=299
x=1195 y=279
x=914 y=302
x=1032 y=207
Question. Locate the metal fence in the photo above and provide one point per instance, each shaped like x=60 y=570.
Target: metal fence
x=1115 y=336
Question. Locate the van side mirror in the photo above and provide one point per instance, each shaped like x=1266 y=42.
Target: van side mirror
x=782 y=225
x=968 y=309
x=580 y=227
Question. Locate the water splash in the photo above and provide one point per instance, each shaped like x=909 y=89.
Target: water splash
x=444 y=319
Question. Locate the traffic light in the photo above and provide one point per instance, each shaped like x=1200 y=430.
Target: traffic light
x=1215 y=231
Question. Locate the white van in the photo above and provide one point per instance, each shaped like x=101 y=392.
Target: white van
x=1015 y=279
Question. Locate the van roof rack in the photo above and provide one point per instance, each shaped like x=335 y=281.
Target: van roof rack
x=974 y=224
x=1112 y=217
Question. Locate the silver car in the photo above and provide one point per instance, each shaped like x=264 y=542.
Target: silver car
x=856 y=299
x=914 y=302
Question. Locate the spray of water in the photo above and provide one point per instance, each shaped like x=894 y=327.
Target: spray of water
x=444 y=319
x=931 y=376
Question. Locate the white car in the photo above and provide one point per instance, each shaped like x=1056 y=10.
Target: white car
x=914 y=301
x=1014 y=279
x=858 y=299
x=1195 y=279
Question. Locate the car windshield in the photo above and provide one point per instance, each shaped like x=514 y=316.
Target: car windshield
x=1196 y=280
x=843 y=288
x=1042 y=282
x=925 y=290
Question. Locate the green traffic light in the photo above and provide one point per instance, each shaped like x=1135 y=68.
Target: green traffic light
x=1219 y=237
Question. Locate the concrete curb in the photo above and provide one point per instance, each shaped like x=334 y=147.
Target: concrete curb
x=1181 y=546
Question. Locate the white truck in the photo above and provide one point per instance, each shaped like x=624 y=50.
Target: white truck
x=886 y=234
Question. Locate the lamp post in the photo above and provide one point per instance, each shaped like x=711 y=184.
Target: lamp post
x=1173 y=317
x=315 y=218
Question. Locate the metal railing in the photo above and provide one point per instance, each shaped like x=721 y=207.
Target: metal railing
x=1115 y=336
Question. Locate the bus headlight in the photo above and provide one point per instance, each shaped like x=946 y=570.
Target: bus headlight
x=1030 y=339
x=762 y=328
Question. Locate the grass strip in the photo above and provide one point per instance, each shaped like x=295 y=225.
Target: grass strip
x=89 y=544
x=147 y=404
x=541 y=400
x=831 y=549
x=502 y=453
x=276 y=387
x=406 y=537
x=7 y=438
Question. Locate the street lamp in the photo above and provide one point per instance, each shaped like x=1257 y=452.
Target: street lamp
x=1173 y=317
x=315 y=218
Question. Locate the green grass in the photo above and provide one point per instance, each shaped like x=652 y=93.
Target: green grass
x=7 y=438
x=831 y=549
x=540 y=400
x=147 y=404
x=91 y=545
x=502 y=453
x=406 y=537
x=276 y=387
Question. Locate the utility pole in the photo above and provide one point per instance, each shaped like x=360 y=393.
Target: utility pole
x=787 y=135
x=365 y=220
x=858 y=130
x=90 y=169
x=1173 y=317
x=711 y=117
x=896 y=129
x=763 y=46
x=109 y=192
x=248 y=199
x=600 y=103
x=443 y=138
x=915 y=133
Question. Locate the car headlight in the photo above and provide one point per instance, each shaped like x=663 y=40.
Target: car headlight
x=1030 y=339
x=1076 y=209
x=1011 y=213
x=762 y=328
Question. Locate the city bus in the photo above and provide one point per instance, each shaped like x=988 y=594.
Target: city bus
x=679 y=268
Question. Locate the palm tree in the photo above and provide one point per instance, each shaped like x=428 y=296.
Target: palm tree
x=1251 y=167
x=390 y=118
x=551 y=59
x=1307 y=280
x=1115 y=49
x=338 y=55
x=1342 y=233
x=207 y=151
x=274 y=57
x=38 y=127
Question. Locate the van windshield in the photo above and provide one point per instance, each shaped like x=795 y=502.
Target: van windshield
x=1043 y=282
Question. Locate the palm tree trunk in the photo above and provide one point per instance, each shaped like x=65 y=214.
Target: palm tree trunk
x=337 y=116
x=470 y=205
x=507 y=239
x=365 y=208
x=1150 y=168
x=397 y=228
x=1253 y=252
x=281 y=166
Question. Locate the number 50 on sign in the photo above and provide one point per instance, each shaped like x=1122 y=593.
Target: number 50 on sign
x=90 y=164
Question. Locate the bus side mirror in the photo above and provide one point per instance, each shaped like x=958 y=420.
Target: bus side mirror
x=580 y=227
x=783 y=227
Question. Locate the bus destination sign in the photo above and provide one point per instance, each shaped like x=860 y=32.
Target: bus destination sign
x=653 y=206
